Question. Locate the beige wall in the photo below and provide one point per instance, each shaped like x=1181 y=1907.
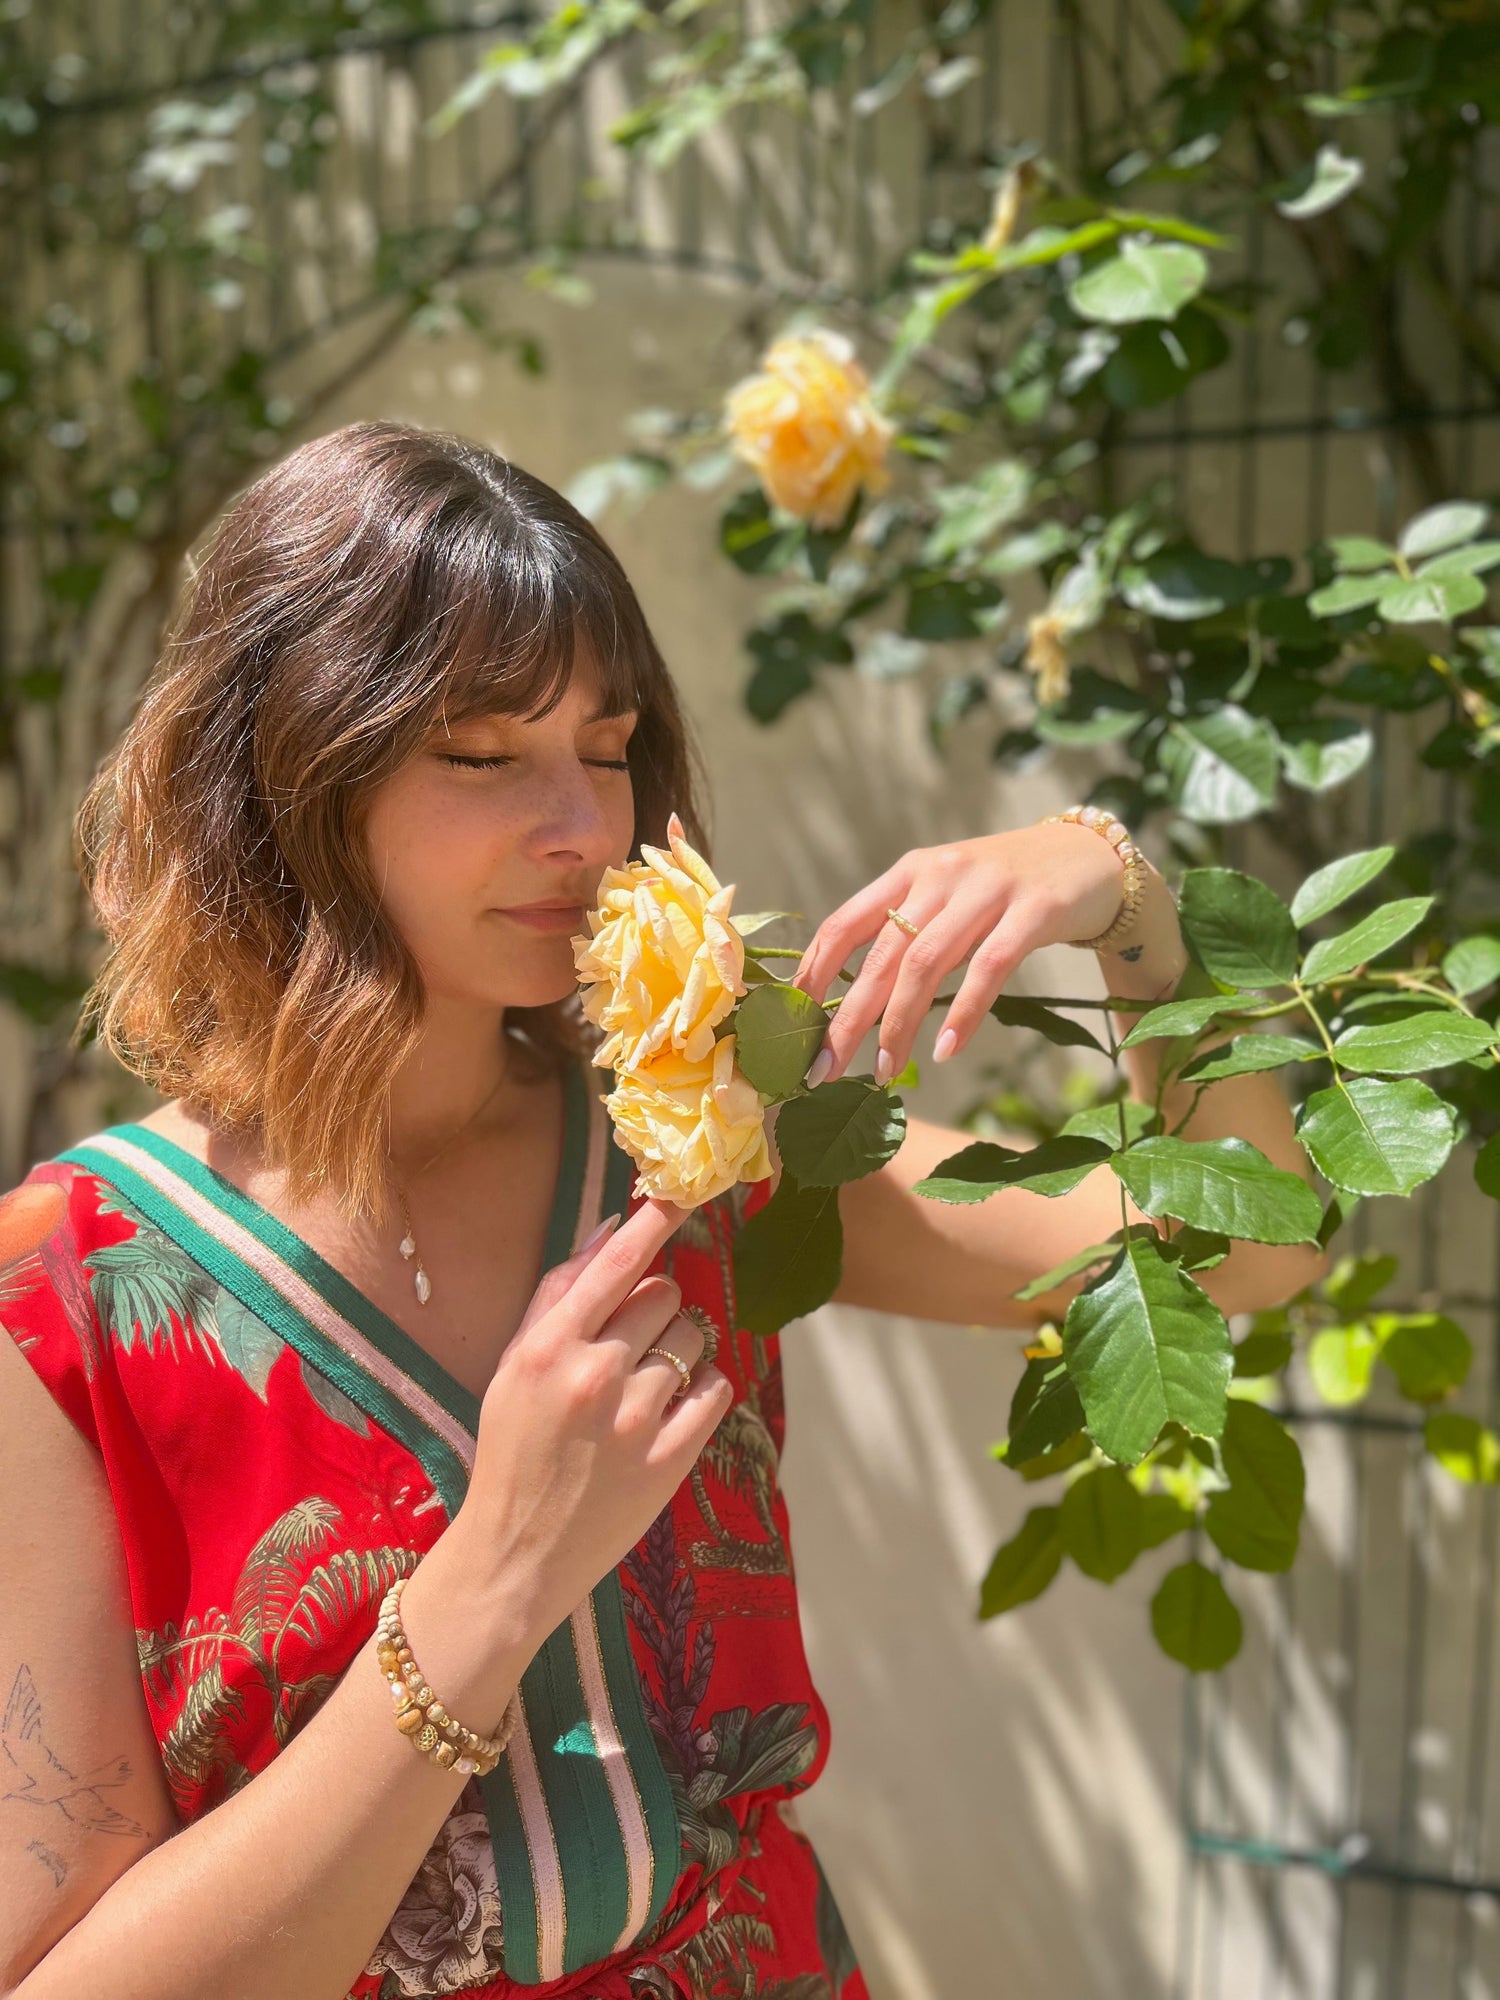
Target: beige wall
x=998 y=1810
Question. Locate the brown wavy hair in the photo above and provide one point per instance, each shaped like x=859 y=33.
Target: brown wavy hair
x=376 y=582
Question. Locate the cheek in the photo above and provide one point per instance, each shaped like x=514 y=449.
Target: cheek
x=427 y=849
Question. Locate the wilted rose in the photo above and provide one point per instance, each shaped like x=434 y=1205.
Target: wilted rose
x=664 y=964
x=694 y=1127
x=808 y=427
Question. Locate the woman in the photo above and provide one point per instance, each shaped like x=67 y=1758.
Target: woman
x=283 y=1358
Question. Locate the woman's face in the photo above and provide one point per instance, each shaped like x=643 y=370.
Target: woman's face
x=498 y=813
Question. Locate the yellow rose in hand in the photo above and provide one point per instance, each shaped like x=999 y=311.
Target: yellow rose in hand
x=664 y=964
x=808 y=427
x=693 y=1128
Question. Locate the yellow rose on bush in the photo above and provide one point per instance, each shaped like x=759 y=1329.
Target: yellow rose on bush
x=807 y=426
x=664 y=965
x=693 y=1127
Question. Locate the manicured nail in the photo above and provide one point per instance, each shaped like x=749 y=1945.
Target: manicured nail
x=596 y=1235
x=885 y=1065
x=944 y=1046
x=822 y=1063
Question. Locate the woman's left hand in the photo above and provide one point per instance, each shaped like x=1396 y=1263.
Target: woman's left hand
x=992 y=900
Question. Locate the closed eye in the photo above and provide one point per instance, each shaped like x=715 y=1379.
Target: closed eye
x=494 y=763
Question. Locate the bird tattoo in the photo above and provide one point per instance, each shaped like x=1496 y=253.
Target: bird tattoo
x=29 y=1771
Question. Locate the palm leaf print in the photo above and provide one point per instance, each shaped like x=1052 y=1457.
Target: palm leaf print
x=196 y=1747
x=352 y=1580
x=270 y=1580
x=332 y=1401
x=148 y=1289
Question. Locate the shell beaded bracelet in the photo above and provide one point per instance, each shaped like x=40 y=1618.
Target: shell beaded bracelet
x=1113 y=830
x=419 y=1714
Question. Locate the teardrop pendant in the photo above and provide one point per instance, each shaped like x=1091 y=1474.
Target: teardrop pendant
x=424 y=1286
x=408 y=1247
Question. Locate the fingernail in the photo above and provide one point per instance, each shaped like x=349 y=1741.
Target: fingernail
x=885 y=1064
x=944 y=1046
x=596 y=1235
x=822 y=1063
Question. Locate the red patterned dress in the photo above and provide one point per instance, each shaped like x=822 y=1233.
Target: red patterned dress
x=278 y=1450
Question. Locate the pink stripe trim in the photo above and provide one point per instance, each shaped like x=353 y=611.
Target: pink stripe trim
x=546 y=1868
x=295 y=1289
x=635 y=1836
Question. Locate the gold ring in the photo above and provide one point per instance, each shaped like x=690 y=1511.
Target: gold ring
x=906 y=923
x=679 y=1364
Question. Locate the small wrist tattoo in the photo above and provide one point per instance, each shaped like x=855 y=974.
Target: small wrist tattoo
x=1132 y=952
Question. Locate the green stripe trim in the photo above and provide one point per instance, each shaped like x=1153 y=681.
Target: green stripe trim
x=446 y=1471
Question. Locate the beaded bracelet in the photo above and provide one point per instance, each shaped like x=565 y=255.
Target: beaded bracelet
x=1113 y=830
x=419 y=1713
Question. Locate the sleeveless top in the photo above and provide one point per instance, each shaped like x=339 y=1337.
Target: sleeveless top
x=278 y=1450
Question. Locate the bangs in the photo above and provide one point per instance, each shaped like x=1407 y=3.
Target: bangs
x=509 y=618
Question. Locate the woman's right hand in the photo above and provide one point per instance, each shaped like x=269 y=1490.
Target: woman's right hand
x=580 y=1442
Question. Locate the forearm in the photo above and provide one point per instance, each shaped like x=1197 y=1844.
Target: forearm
x=286 y=1888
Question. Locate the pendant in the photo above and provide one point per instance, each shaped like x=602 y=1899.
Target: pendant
x=424 y=1286
x=408 y=1247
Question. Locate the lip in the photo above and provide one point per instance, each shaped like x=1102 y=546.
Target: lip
x=547 y=917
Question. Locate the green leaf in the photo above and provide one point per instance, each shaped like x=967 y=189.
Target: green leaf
x=1330 y=958
x=1239 y=930
x=1146 y=1346
x=1487 y=1167
x=1242 y=1055
x=1350 y=593
x=1181 y=583
x=1427 y=1039
x=1023 y=1567
x=1472 y=561
x=1323 y=751
x=1045 y=1411
x=1052 y=1167
x=1341 y=1361
x=1442 y=527
x=1472 y=963
x=1431 y=599
x=1100 y=1522
x=1373 y=1137
x=789 y=1256
x=1156 y=360
x=1011 y=1011
x=1092 y=1253
x=1464 y=1447
x=1429 y=1354
x=1323 y=183
x=1226 y=1185
x=1327 y=887
x=1102 y=1121
x=1175 y=1017
x=1162 y=1516
x=949 y=607
x=1142 y=281
x=1260 y=1354
x=1359 y=552
x=1194 y=1619
x=751 y=539
x=840 y=1132
x=778 y=1029
x=1256 y=1519
x=1221 y=767
x=1358 y=1278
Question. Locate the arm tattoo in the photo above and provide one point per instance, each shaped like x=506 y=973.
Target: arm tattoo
x=55 y=1862
x=29 y=1771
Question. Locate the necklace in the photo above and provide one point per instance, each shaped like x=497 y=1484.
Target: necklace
x=422 y=1284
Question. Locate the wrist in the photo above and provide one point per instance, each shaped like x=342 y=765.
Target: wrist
x=1149 y=960
x=467 y=1632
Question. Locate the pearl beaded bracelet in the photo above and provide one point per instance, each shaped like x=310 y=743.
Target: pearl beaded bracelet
x=419 y=1713
x=1113 y=830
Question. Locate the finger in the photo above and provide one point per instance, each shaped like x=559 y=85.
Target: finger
x=943 y=943
x=871 y=987
x=690 y=1422
x=1014 y=938
x=653 y=1381
x=601 y=1279
x=852 y=924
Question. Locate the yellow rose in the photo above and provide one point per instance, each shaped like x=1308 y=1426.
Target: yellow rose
x=693 y=1127
x=808 y=427
x=664 y=964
